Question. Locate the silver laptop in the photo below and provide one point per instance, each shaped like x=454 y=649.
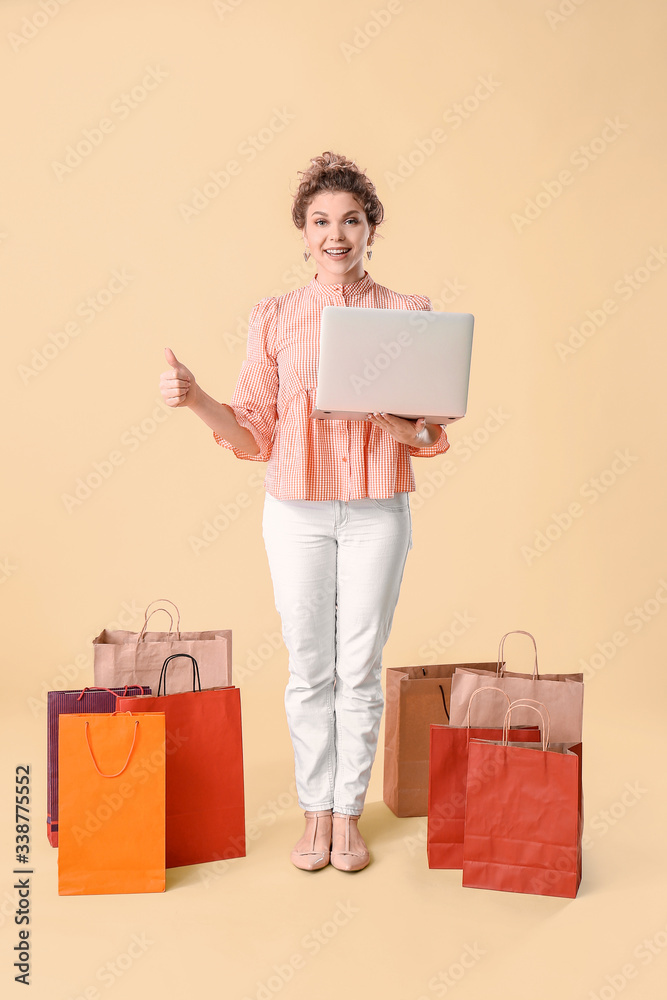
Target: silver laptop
x=408 y=363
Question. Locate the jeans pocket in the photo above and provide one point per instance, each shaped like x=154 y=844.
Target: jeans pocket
x=398 y=502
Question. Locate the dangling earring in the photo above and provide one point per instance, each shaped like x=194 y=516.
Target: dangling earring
x=306 y=254
x=369 y=253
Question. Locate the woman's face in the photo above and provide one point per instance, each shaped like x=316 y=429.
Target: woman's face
x=336 y=221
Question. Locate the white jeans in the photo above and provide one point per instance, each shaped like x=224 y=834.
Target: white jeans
x=336 y=569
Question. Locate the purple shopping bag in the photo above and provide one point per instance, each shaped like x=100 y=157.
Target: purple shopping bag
x=89 y=700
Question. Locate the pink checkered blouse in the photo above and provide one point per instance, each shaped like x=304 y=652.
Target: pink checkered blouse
x=275 y=395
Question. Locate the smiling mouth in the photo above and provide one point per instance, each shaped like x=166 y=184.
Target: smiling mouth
x=338 y=253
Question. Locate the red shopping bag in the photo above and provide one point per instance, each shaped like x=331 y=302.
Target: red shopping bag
x=204 y=769
x=448 y=769
x=524 y=816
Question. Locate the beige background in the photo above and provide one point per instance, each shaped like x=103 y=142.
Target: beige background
x=534 y=82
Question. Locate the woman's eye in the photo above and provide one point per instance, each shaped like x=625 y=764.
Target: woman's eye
x=324 y=221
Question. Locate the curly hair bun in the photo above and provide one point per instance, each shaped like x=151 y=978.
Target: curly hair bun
x=334 y=172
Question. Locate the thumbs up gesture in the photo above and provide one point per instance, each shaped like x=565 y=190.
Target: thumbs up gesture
x=178 y=385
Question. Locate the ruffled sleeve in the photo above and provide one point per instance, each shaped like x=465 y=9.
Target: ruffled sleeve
x=439 y=448
x=256 y=394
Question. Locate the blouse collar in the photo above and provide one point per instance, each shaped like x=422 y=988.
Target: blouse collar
x=332 y=293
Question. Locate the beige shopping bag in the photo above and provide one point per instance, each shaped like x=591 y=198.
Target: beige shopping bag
x=122 y=657
x=563 y=695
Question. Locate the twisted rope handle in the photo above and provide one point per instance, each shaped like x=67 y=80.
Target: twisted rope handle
x=134 y=740
x=487 y=687
x=161 y=600
x=542 y=711
x=500 y=669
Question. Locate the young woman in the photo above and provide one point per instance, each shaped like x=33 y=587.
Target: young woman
x=336 y=521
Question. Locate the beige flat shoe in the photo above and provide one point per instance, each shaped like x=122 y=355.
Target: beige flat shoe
x=313 y=850
x=348 y=849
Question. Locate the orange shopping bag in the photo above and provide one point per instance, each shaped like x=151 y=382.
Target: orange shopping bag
x=112 y=804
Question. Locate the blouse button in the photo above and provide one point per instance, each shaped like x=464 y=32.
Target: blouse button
x=345 y=458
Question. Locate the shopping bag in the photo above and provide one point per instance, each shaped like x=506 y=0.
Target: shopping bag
x=524 y=816
x=414 y=698
x=204 y=768
x=448 y=769
x=563 y=694
x=112 y=804
x=121 y=657
x=60 y=703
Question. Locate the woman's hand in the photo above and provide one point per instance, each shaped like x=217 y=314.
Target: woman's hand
x=416 y=433
x=178 y=386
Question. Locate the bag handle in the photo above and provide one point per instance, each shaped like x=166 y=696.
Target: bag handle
x=487 y=687
x=134 y=740
x=500 y=669
x=442 y=693
x=147 y=615
x=444 y=703
x=123 y=695
x=163 y=672
x=541 y=710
